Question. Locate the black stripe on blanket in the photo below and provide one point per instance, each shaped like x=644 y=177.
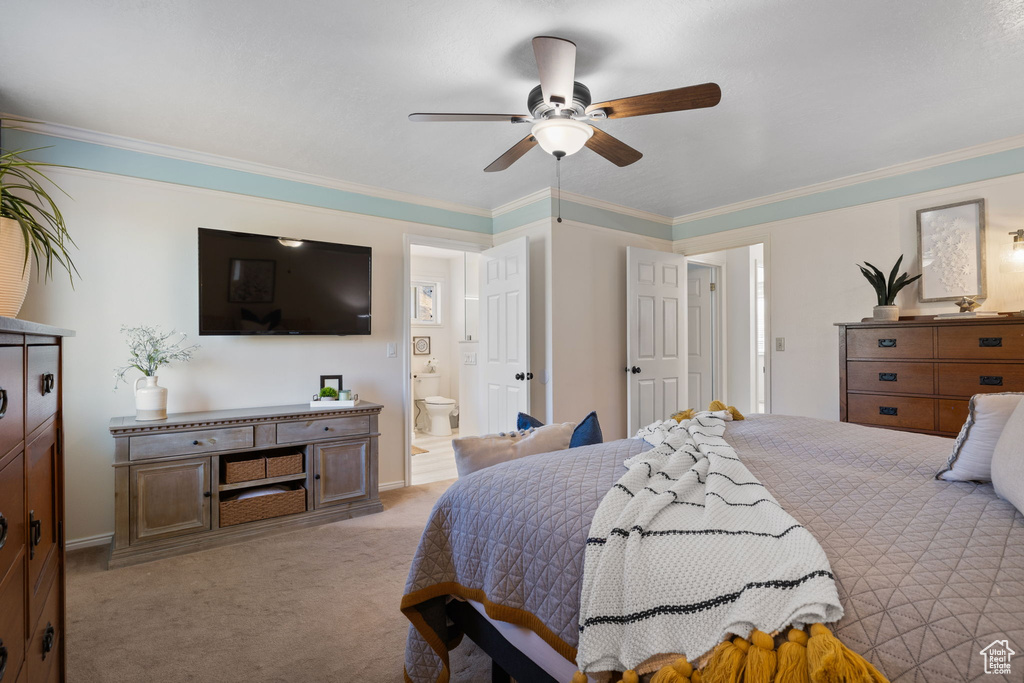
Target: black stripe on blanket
x=781 y=584
x=748 y=505
x=686 y=532
x=738 y=483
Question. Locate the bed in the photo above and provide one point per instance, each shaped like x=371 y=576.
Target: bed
x=929 y=572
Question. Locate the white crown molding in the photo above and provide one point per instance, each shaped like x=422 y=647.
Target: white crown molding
x=167 y=151
x=539 y=195
x=889 y=171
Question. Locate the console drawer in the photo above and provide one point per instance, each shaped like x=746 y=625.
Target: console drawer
x=325 y=428
x=982 y=342
x=952 y=415
x=12 y=397
x=188 y=443
x=894 y=377
x=12 y=512
x=12 y=617
x=45 y=648
x=43 y=385
x=889 y=342
x=968 y=379
x=892 y=411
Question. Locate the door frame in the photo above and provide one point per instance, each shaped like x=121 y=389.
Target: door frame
x=719 y=369
x=408 y=411
x=693 y=247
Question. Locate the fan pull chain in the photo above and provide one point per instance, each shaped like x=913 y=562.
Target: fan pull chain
x=558 y=177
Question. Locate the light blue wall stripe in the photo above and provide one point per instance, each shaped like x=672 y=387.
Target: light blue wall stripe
x=536 y=211
x=998 y=164
x=97 y=157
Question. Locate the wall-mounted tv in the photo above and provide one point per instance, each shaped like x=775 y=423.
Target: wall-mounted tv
x=259 y=284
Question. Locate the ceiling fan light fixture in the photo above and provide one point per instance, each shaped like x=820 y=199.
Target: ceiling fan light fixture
x=561 y=135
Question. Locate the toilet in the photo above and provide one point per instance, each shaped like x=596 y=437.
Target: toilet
x=426 y=387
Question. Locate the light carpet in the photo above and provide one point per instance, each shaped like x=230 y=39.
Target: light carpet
x=316 y=604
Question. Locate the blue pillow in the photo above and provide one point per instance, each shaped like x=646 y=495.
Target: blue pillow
x=587 y=432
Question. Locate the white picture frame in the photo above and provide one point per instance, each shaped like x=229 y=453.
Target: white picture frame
x=951 y=251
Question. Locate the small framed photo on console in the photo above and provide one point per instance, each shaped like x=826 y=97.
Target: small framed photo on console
x=333 y=381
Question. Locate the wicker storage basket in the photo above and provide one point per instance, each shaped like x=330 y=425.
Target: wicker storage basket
x=280 y=465
x=262 y=507
x=254 y=467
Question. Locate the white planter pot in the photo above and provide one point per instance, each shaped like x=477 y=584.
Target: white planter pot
x=887 y=313
x=150 y=400
x=13 y=273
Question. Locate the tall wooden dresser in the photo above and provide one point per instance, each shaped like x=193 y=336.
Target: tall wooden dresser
x=31 y=503
x=918 y=374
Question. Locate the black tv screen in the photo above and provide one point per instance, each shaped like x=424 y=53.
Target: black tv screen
x=258 y=284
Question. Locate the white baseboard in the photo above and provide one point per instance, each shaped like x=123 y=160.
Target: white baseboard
x=88 y=542
x=392 y=485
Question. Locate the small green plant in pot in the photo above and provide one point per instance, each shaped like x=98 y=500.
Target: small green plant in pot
x=328 y=394
x=886 y=289
x=32 y=229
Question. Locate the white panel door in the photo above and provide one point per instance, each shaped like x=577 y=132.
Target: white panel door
x=656 y=339
x=504 y=356
x=700 y=334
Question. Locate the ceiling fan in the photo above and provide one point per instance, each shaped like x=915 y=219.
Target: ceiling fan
x=560 y=110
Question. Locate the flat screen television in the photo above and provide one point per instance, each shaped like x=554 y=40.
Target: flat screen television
x=259 y=284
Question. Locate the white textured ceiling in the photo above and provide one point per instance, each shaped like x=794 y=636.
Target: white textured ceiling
x=813 y=89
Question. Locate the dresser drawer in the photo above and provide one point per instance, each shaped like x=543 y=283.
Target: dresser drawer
x=188 y=443
x=894 y=377
x=982 y=342
x=326 y=428
x=889 y=342
x=968 y=379
x=892 y=411
x=12 y=512
x=952 y=415
x=45 y=648
x=12 y=398
x=43 y=385
x=12 y=618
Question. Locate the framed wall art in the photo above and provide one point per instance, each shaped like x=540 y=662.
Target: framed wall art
x=951 y=250
x=421 y=346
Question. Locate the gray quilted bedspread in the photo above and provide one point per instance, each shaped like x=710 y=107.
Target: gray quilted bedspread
x=929 y=572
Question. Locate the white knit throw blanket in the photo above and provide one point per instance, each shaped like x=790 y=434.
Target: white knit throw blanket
x=688 y=547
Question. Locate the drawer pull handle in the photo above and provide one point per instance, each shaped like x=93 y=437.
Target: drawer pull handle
x=887 y=343
x=49 y=635
x=48 y=383
x=990 y=342
x=317 y=477
x=3 y=535
x=327 y=429
x=887 y=377
x=35 y=533
x=886 y=410
x=3 y=402
x=3 y=660
x=990 y=381
x=195 y=443
x=207 y=494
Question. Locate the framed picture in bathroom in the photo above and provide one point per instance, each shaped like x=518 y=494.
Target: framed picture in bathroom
x=421 y=346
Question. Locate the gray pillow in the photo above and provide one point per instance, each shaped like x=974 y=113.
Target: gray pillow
x=1008 y=460
x=474 y=453
x=971 y=459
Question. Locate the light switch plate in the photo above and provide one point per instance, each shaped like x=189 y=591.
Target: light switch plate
x=392 y=351
x=780 y=343
x=469 y=358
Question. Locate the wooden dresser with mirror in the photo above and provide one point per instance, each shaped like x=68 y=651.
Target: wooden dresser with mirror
x=919 y=373
x=32 y=594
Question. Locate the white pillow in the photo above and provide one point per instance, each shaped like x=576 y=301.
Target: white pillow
x=474 y=453
x=1008 y=460
x=971 y=459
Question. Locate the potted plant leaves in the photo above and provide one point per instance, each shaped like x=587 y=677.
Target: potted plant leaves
x=886 y=289
x=328 y=394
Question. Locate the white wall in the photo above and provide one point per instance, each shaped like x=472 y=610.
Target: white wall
x=137 y=257
x=813 y=281
x=588 y=285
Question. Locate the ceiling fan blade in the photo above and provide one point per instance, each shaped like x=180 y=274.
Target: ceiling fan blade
x=690 y=97
x=513 y=154
x=507 y=118
x=612 y=149
x=556 y=62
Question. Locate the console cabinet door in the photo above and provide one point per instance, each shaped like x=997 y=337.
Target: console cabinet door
x=341 y=472
x=169 y=499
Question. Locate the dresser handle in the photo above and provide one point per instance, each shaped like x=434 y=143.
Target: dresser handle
x=3 y=659
x=3 y=402
x=887 y=343
x=990 y=381
x=990 y=342
x=3 y=535
x=195 y=443
x=35 y=531
x=887 y=377
x=48 y=383
x=49 y=635
x=886 y=410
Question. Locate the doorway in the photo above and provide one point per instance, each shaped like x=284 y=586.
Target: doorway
x=703 y=336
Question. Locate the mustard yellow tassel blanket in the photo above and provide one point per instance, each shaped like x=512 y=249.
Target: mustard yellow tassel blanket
x=689 y=558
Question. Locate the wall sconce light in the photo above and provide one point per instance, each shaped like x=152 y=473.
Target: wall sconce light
x=1018 y=245
x=1013 y=258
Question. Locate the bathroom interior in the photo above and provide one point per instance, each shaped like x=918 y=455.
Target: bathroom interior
x=445 y=306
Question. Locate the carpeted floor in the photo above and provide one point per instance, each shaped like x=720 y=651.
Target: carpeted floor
x=318 y=604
